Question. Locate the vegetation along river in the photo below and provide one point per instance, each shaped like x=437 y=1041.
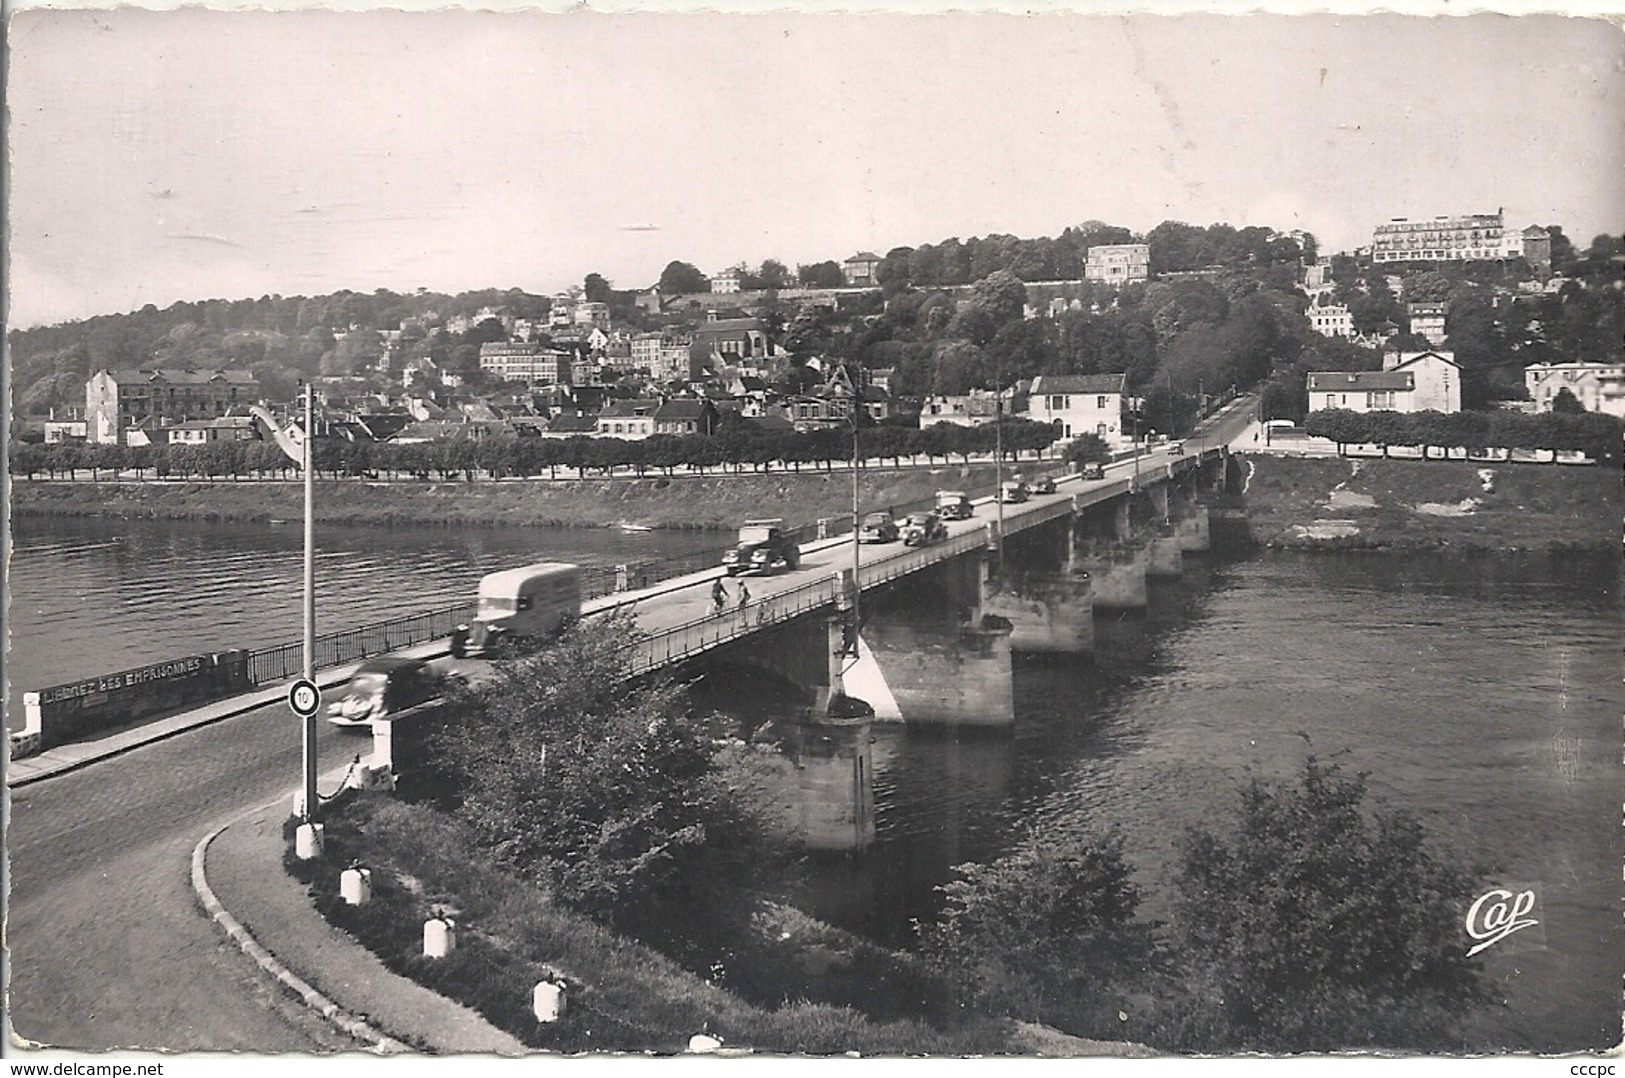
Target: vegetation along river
x=1482 y=693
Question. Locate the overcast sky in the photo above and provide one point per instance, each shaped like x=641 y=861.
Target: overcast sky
x=166 y=155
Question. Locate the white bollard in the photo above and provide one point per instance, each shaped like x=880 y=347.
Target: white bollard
x=547 y=1001
x=355 y=886
x=439 y=937
x=307 y=842
x=704 y=1043
x=298 y=809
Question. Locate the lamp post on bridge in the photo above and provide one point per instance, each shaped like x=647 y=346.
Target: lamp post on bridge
x=308 y=738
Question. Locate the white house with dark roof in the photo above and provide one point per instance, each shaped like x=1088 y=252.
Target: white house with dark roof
x=686 y=416
x=628 y=418
x=862 y=269
x=1408 y=382
x=1079 y=404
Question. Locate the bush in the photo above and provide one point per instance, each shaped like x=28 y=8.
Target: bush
x=1310 y=928
x=602 y=788
x=1043 y=934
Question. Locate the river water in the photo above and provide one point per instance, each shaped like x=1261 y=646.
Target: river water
x=1482 y=694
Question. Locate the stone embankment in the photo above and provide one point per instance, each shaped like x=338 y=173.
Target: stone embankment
x=1366 y=504
x=654 y=501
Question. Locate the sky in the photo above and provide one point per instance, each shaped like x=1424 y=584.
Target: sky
x=164 y=155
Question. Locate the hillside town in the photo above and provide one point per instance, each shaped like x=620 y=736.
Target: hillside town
x=1434 y=315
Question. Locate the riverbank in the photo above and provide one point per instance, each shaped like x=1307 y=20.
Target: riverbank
x=650 y=501
x=1340 y=504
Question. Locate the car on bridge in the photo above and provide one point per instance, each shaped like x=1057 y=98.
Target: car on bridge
x=922 y=528
x=879 y=527
x=1093 y=470
x=387 y=686
x=1043 y=485
x=1012 y=490
x=764 y=545
x=1176 y=449
x=954 y=505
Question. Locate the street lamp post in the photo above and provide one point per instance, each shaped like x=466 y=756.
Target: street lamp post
x=309 y=737
x=857 y=520
x=998 y=468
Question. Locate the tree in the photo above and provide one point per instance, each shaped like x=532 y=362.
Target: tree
x=604 y=790
x=1309 y=927
x=1567 y=403
x=1562 y=247
x=821 y=275
x=681 y=277
x=1043 y=933
x=1089 y=448
x=596 y=289
x=771 y=274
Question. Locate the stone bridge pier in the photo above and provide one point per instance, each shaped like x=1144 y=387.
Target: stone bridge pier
x=925 y=653
x=1042 y=591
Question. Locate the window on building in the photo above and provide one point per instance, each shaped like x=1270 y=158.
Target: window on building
x=1100 y=402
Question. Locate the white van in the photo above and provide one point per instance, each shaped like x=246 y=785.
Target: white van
x=520 y=604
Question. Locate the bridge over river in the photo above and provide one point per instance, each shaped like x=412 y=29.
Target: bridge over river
x=939 y=621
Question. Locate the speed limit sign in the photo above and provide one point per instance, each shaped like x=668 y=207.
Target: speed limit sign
x=304 y=698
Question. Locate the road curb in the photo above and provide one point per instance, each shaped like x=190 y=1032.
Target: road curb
x=342 y=1020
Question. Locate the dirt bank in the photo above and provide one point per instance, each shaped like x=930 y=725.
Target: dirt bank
x=683 y=502
x=1339 y=504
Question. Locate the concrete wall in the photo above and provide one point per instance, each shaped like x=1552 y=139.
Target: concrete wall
x=953 y=676
x=64 y=713
x=1117 y=582
x=1049 y=612
x=832 y=798
x=1194 y=529
x=1165 y=557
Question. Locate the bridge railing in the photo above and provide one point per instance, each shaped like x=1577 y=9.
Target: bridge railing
x=876 y=573
x=283 y=661
x=678 y=642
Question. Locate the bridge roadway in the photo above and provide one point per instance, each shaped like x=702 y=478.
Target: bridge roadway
x=679 y=620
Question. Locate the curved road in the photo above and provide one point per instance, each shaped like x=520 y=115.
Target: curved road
x=107 y=946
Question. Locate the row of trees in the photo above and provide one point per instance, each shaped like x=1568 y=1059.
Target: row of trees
x=1598 y=436
x=506 y=456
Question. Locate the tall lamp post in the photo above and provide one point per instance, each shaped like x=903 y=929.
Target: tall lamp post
x=309 y=738
x=998 y=466
x=857 y=519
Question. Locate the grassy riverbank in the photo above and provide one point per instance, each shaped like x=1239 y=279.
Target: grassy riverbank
x=1340 y=504
x=624 y=997
x=681 y=502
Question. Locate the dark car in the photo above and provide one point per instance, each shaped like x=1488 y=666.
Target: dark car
x=1094 y=470
x=1176 y=449
x=1013 y=490
x=879 y=527
x=922 y=528
x=764 y=545
x=384 y=687
x=1043 y=485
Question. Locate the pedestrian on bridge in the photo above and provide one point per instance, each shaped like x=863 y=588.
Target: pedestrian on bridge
x=719 y=595
x=744 y=596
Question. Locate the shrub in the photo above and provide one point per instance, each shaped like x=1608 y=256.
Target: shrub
x=1043 y=933
x=1309 y=927
x=604 y=789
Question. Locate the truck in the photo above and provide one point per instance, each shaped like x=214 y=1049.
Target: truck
x=764 y=545
x=530 y=602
